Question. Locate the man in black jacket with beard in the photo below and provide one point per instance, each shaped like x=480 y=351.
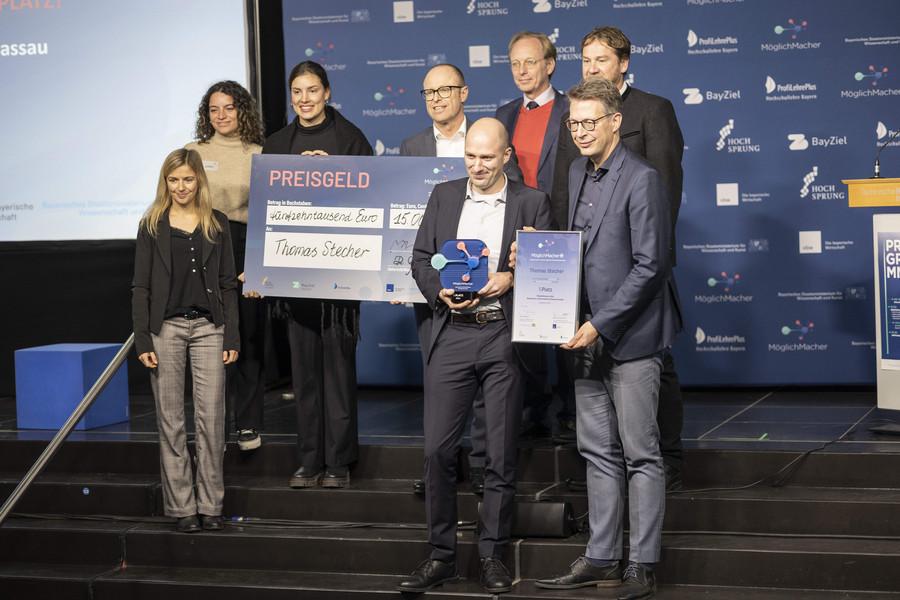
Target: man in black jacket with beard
x=649 y=128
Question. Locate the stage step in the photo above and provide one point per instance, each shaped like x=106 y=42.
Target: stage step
x=56 y=581
x=762 y=509
x=539 y=463
x=826 y=563
x=151 y=583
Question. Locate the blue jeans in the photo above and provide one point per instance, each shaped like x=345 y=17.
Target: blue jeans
x=616 y=404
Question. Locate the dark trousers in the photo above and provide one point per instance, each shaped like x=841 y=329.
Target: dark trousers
x=323 y=370
x=246 y=378
x=466 y=358
x=670 y=415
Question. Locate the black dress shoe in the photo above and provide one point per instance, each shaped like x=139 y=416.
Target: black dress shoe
x=495 y=578
x=305 y=477
x=419 y=487
x=430 y=573
x=583 y=574
x=211 y=523
x=188 y=524
x=476 y=477
x=336 y=477
x=637 y=582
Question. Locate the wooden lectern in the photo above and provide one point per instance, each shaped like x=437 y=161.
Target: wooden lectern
x=873 y=192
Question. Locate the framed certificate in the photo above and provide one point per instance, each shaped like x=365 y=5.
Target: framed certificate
x=547 y=286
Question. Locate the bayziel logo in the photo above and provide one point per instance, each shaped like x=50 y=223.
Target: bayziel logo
x=541 y=6
x=797 y=141
x=694 y=95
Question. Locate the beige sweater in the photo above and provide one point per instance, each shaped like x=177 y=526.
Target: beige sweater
x=227 y=165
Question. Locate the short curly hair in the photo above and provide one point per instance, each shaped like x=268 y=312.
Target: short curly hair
x=250 y=126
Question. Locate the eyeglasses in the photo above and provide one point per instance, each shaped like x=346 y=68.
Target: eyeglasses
x=529 y=64
x=443 y=92
x=588 y=124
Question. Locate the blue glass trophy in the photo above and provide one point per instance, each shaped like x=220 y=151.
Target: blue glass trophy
x=463 y=267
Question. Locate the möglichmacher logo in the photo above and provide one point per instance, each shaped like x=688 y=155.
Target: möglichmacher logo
x=723 y=290
x=789 y=34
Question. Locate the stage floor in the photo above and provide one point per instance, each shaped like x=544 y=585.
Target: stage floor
x=770 y=419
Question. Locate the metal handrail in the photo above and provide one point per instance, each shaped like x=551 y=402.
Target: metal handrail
x=61 y=435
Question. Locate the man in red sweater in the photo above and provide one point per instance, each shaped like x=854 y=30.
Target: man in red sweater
x=533 y=123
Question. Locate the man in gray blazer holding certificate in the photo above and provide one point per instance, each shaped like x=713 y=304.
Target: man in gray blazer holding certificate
x=631 y=315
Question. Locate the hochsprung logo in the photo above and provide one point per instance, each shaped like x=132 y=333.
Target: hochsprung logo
x=734 y=145
x=808 y=180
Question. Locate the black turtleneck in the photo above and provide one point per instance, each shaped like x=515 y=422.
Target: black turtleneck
x=317 y=137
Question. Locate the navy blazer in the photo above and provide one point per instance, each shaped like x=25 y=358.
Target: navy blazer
x=525 y=206
x=424 y=144
x=153 y=280
x=627 y=266
x=508 y=114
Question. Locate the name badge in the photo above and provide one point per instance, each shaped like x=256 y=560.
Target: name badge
x=211 y=165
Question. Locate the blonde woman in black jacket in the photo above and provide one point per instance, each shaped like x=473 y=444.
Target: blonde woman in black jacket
x=184 y=304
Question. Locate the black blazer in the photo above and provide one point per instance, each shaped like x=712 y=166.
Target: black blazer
x=424 y=144
x=649 y=129
x=153 y=280
x=508 y=114
x=525 y=206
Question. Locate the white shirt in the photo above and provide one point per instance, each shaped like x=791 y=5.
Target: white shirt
x=545 y=97
x=453 y=146
x=482 y=219
x=623 y=88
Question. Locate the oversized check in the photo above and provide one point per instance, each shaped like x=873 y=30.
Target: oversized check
x=338 y=227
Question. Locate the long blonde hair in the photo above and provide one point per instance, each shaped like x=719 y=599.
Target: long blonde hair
x=177 y=158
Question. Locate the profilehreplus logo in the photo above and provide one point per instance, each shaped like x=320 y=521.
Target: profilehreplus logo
x=718 y=342
x=727 y=44
x=789 y=91
x=883 y=133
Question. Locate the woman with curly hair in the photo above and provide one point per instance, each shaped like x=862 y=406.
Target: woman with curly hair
x=229 y=132
x=184 y=306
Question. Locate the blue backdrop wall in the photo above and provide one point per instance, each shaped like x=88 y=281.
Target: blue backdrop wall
x=778 y=101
